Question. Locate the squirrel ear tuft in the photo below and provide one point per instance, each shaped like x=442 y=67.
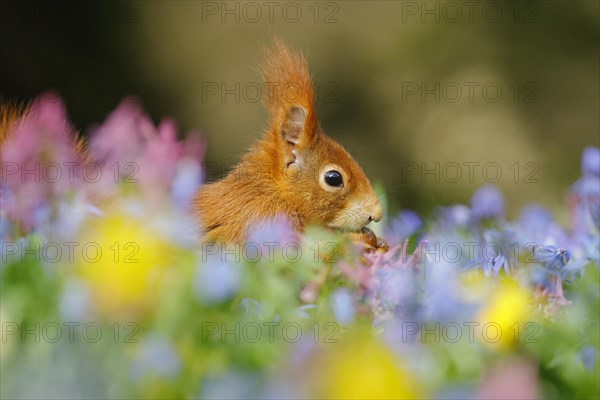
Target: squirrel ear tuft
x=293 y=127
x=291 y=95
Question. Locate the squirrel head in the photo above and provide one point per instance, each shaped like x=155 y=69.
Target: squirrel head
x=313 y=173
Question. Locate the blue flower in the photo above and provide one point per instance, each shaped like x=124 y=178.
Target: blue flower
x=187 y=180
x=252 y=308
x=585 y=246
x=302 y=311
x=234 y=384
x=487 y=202
x=573 y=269
x=589 y=355
x=6 y=229
x=156 y=357
x=75 y=302
x=540 y=276
x=590 y=161
x=553 y=258
x=535 y=216
x=494 y=252
x=457 y=215
x=555 y=262
x=394 y=292
x=595 y=212
x=537 y=225
x=586 y=193
x=403 y=226
x=587 y=186
x=343 y=306
x=494 y=264
x=441 y=292
x=216 y=279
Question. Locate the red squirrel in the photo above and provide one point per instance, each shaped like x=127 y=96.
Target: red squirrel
x=295 y=170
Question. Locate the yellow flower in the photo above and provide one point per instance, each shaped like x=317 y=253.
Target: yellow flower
x=363 y=369
x=122 y=259
x=503 y=320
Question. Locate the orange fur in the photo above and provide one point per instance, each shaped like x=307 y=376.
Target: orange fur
x=282 y=174
x=288 y=82
x=10 y=115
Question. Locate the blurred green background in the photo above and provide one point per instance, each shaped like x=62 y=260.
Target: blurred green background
x=461 y=89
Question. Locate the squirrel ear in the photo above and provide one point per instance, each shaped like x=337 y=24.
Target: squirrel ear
x=292 y=128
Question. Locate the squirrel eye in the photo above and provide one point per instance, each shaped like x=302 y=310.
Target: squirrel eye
x=333 y=178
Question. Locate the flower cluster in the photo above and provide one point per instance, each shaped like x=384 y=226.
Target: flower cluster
x=106 y=290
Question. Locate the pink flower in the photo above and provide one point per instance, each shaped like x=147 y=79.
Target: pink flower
x=132 y=151
x=39 y=161
x=42 y=161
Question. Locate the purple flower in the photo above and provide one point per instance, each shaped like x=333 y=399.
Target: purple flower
x=403 y=226
x=487 y=202
x=537 y=225
x=590 y=161
x=275 y=231
x=392 y=292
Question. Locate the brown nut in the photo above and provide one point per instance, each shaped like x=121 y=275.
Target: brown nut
x=368 y=236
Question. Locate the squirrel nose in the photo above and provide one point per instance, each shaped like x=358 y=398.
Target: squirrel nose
x=376 y=213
